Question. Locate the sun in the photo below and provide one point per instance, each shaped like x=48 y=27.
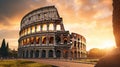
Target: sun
x=109 y=44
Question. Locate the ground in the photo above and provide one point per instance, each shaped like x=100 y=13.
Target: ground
x=21 y=63
x=62 y=63
x=45 y=63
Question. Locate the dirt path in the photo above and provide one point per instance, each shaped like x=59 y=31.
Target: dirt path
x=61 y=63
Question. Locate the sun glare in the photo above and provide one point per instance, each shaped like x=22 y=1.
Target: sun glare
x=109 y=44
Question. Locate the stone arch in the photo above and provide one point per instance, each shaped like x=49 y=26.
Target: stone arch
x=43 y=40
x=58 y=39
x=33 y=29
x=36 y=53
x=66 y=54
x=23 y=54
x=38 y=28
x=24 y=41
x=25 y=31
x=37 y=40
x=28 y=41
x=44 y=27
x=32 y=40
x=78 y=44
x=51 y=27
x=43 y=54
x=58 y=54
x=74 y=43
x=28 y=30
x=27 y=54
x=79 y=55
x=65 y=40
x=50 y=53
x=51 y=40
x=71 y=53
x=58 y=27
x=31 y=54
x=75 y=54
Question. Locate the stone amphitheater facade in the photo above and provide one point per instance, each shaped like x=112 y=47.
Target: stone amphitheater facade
x=42 y=35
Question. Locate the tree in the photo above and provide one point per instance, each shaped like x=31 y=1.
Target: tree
x=3 y=49
x=96 y=53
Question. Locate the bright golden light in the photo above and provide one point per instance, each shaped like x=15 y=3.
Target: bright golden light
x=109 y=44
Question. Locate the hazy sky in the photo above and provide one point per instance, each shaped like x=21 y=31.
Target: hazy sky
x=90 y=18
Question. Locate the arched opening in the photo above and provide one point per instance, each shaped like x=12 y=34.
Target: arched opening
x=25 y=42
x=33 y=29
x=43 y=40
x=58 y=54
x=74 y=43
x=71 y=53
x=51 y=40
x=50 y=53
x=44 y=27
x=75 y=55
x=37 y=54
x=66 y=55
x=65 y=40
x=22 y=42
x=51 y=28
x=58 y=39
x=58 y=27
x=31 y=54
x=43 y=54
x=27 y=54
x=37 y=40
x=78 y=45
x=23 y=54
x=38 y=28
x=25 y=31
x=28 y=30
x=28 y=41
x=79 y=55
x=32 y=40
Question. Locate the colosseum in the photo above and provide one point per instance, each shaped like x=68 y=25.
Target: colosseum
x=42 y=35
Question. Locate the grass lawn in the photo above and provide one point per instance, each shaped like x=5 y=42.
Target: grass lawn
x=21 y=63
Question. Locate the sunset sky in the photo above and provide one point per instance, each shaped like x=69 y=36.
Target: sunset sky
x=90 y=18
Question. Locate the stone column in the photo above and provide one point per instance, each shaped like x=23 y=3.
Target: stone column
x=28 y=54
x=54 y=40
x=27 y=31
x=47 y=27
x=69 y=56
x=47 y=39
x=30 y=41
x=46 y=53
x=34 y=40
x=24 y=53
x=54 y=27
x=23 y=32
x=35 y=28
x=54 y=55
x=40 y=53
x=33 y=53
x=41 y=27
x=30 y=30
x=61 y=54
x=61 y=38
x=40 y=40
